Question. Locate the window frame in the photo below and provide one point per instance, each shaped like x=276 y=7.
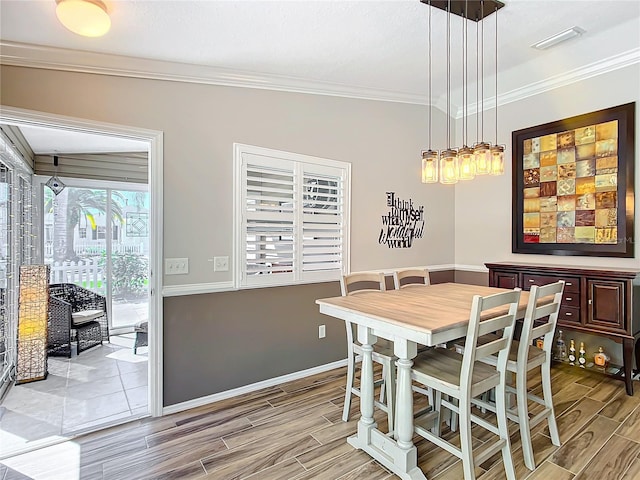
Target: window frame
x=240 y=281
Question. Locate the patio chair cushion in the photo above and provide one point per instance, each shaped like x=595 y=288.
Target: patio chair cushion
x=85 y=316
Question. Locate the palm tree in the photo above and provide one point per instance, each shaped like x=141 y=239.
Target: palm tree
x=69 y=207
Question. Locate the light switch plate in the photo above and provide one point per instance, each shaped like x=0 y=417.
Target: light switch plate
x=176 y=266
x=220 y=264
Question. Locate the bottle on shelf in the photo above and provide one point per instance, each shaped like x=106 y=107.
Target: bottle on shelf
x=561 y=348
x=572 y=353
x=582 y=359
x=601 y=359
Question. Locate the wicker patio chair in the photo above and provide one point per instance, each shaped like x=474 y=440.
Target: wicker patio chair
x=75 y=313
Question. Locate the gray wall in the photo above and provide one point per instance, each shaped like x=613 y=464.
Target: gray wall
x=214 y=342
x=220 y=341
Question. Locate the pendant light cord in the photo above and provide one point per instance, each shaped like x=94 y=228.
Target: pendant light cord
x=496 y=97
x=429 y=76
x=449 y=75
x=482 y=66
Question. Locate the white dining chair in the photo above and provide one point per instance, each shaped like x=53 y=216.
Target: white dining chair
x=539 y=321
x=409 y=277
x=354 y=284
x=463 y=377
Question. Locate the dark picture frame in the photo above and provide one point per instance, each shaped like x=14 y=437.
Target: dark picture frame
x=573 y=185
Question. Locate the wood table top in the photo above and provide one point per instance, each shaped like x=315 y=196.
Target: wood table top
x=424 y=308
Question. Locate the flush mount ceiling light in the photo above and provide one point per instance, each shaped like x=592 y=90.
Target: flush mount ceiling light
x=558 y=38
x=88 y=18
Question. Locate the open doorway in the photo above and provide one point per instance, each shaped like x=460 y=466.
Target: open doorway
x=113 y=250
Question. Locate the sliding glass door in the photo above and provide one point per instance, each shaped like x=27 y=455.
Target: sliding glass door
x=97 y=236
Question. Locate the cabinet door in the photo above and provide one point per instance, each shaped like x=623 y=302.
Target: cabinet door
x=504 y=280
x=605 y=305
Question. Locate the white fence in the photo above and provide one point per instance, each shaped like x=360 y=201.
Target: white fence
x=92 y=249
x=86 y=273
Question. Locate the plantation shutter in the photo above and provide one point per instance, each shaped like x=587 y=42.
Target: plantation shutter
x=269 y=222
x=293 y=225
x=322 y=222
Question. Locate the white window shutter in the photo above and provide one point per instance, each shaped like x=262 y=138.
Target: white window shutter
x=294 y=210
x=322 y=217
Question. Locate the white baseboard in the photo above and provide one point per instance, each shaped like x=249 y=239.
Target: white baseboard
x=216 y=397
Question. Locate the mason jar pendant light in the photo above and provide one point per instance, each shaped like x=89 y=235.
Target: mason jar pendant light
x=481 y=150
x=497 y=151
x=430 y=158
x=465 y=154
x=449 y=166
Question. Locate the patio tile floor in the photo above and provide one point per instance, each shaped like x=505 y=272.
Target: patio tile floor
x=100 y=386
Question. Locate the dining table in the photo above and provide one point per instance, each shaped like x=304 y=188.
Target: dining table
x=418 y=315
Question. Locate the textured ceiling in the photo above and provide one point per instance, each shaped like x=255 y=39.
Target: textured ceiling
x=379 y=45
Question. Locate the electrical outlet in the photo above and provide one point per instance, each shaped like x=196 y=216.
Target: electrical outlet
x=322 y=331
x=176 y=266
x=220 y=264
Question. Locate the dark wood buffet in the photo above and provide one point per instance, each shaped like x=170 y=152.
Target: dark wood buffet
x=595 y=301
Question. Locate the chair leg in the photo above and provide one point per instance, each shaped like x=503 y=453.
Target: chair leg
x=351 y=366
x=453 y=417
x=390 y=386
x=384 y=381
x=523 y=420
x=466 y=446
x=503 y=428
x=437 y=406
x=548 y=402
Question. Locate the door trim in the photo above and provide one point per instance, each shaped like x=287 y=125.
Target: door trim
x=23 y=117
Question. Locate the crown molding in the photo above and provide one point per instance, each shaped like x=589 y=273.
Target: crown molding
x=615 y=62
x=52 y=58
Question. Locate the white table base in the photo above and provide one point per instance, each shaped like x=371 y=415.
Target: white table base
x=398 y=454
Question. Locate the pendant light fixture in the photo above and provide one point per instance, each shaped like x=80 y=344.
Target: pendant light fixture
x=465 y=154
x=54 y=183
x=453 y=164
x=449 y=165
x=497 y=151
x=88 y=18
x=482 y=149
x=430 y=158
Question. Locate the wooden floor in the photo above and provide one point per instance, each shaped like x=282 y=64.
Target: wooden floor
x=295 y=431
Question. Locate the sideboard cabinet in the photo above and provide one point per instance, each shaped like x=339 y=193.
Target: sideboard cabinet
x=595 y=301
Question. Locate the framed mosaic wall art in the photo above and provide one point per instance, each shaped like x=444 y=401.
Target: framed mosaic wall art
x=573 y=185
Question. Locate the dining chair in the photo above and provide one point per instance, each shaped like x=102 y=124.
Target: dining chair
x=457 y=379
x=354 y=284
x=540 y=320
x=410 y=277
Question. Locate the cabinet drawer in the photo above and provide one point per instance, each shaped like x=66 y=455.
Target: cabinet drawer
x=571 y=284
x=569 y=315
x=570 y=299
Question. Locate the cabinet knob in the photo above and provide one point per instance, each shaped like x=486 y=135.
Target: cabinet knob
x=568 y=299
x=531 y=281
x=568 y=284
x=568 y=314
x=590 y=301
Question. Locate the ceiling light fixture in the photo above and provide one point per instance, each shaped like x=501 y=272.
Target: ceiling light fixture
x=464 y=163
x=88 y=18
x=558 y=38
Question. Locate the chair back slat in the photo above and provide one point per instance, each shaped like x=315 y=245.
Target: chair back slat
x=502 y=326
x=362 y=281
x=355 y=283
x=545 y=315
x=410 y=276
